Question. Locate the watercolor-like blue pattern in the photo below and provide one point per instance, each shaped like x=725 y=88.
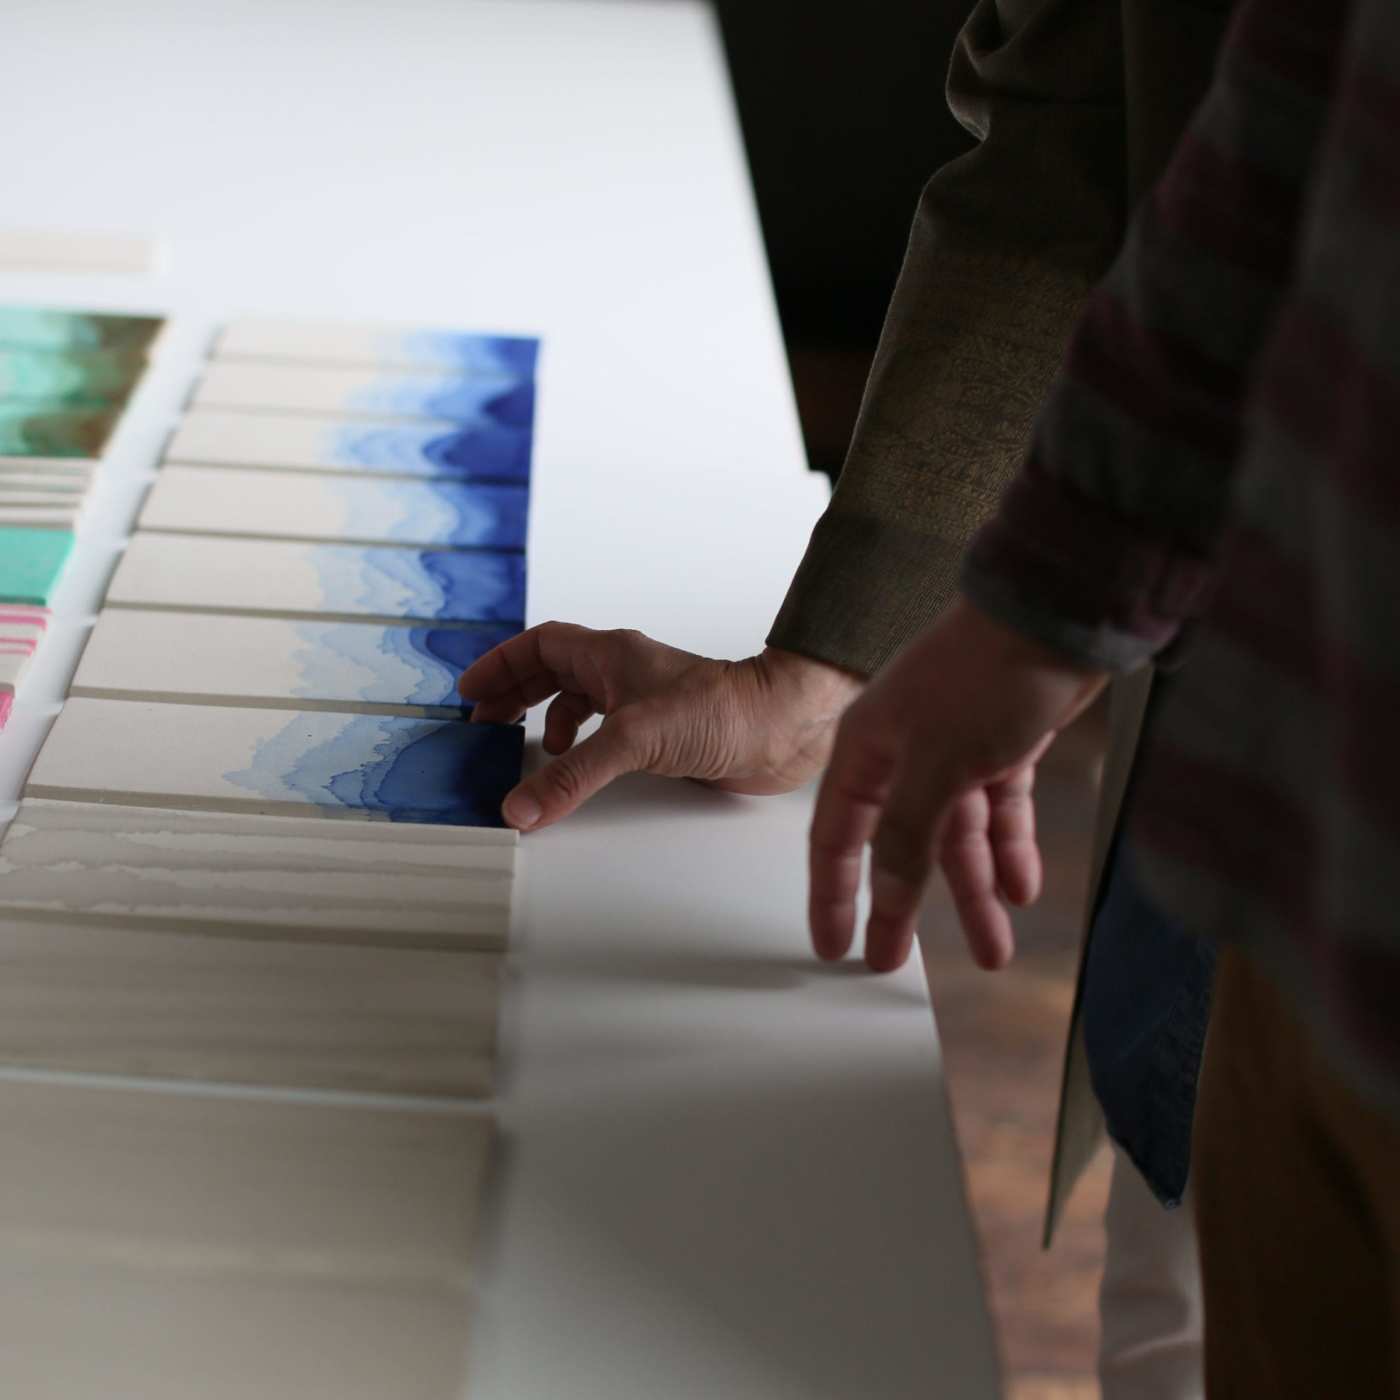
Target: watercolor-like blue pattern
x=480 y=451
x=471 y=353
x=499 y=398
x=444 y=772
x=470 y=515
x=441 y=585
x=343 y=662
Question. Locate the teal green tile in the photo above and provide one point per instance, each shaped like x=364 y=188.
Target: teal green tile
x=31 y=562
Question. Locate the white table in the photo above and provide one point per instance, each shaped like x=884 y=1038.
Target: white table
x=727 y=1171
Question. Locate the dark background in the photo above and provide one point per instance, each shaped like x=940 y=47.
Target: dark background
x=844 y=120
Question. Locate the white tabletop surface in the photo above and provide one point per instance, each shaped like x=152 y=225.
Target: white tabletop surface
x=726 y=1170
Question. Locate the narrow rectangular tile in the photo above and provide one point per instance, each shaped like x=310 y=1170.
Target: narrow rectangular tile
x=37 y=518
x=31 y=431
x=292 y=578
x=318 y=506
x=135 y=654
x=348 y=343
x=224 y=1183
x=31 y=562
x=480 y=451
x=505 y=399
x=70 y=377
x=77 y=1328
x=316 y=763
x=61 y=250
x=106 y=998
x=238 y=875
x=52 y=328
x=41 y=483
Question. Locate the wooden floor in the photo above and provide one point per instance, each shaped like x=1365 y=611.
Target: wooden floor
x=1003 y=1036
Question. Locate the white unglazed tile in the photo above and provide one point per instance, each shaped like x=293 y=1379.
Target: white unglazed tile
x=500 y=398
x=319 y=506
x=72 y=1328
x=135 y=654
x=348 y=343
x=40 y=484
x=301 y=579
x=38 y=518
x=101 y=997
x=60 y=250
x=220 y=1183
x=480 y=451
x=14 y=661
x=279 y=762
x=281 y=877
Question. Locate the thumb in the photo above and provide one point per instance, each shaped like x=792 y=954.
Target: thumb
x=565 y=784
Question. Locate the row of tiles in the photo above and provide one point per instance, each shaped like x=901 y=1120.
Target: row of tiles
x=286 y=1249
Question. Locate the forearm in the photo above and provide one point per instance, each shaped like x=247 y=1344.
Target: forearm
x=1005 y=245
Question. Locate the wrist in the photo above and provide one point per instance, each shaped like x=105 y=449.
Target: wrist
x=819 y=680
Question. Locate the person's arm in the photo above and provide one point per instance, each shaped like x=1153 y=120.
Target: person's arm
x=1006 y=243
x=1105 y=543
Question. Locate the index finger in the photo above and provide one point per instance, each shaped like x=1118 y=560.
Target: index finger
x=523 y=670
x=849 y=802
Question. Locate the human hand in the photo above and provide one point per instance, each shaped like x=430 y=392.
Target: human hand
x=934 y=764
x=762 y=725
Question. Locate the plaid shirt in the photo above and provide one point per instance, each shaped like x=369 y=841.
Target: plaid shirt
x=1216 y=472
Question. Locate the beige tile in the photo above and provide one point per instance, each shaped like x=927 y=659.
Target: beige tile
x=400 y=885
x=72 y=1329
x=202 y=1184
x=107 y=999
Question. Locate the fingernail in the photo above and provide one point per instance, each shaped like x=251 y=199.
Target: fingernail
x=522 y=812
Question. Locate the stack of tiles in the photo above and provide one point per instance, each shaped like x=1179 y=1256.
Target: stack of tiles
x=262 y=846
x=65 y=377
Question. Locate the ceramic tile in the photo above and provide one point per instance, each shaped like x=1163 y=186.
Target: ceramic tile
x=270 y=661
x=58 y=250
x=37 y=518
x=105 y=998
x=505 y=399
x=14 y=661
x=482 y=451
x=232 y=874
x=82 y=378
x=43 y=501
x=317 y=763
x=333 y=343
x=178 y=1334
x=31 y=562
x=203 y=1183
x=307 y=505
x=37 y=430
x=41 y=484
x=48 y=328
x=299 y=579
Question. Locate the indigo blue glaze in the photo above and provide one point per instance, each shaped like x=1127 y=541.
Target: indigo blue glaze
x=447 y=772
x=491 y=452
x=458 y=647
x=450 y=773
x=513 y=407
x=476 y=587
x=488 y=516
x=502 y=398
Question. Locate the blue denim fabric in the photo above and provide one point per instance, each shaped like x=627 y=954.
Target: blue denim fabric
x=1145 y=1006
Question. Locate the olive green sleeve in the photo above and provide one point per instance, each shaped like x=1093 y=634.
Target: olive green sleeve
x=1006 y=242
